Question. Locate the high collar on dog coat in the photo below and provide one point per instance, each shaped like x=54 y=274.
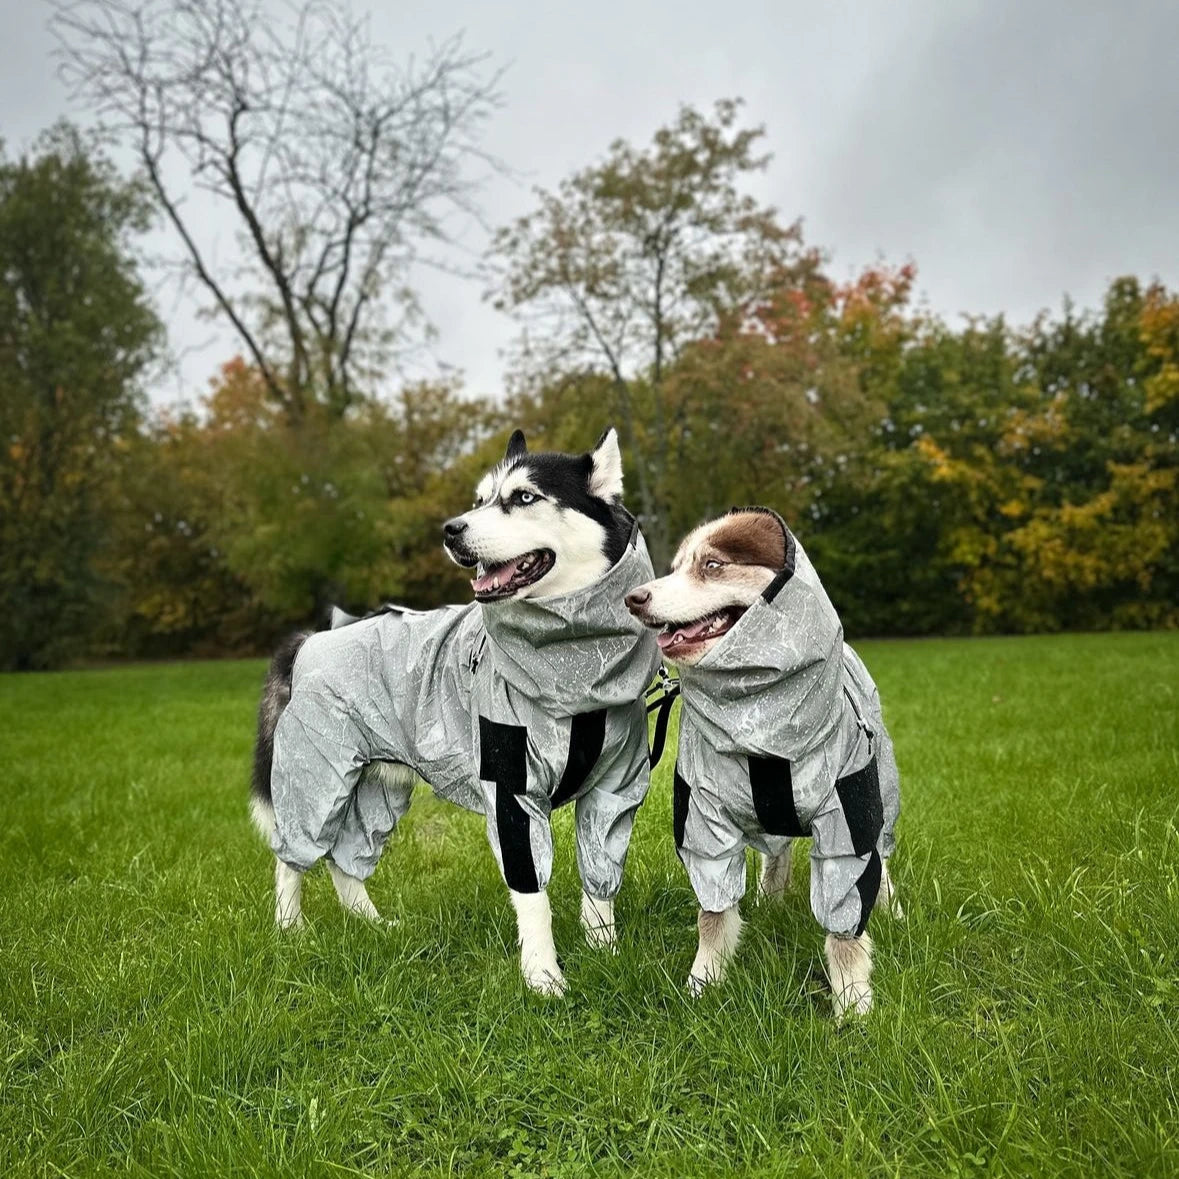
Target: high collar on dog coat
x=509 y=708
x=781 y=735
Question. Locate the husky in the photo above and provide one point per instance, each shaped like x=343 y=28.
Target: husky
x=525 y=699
x=781 y=736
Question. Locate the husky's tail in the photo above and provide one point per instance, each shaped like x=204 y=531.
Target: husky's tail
x=276 y=695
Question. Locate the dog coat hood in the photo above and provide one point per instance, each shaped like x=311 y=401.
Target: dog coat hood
x=579 y=651
x=781 y=735
x=509 y=709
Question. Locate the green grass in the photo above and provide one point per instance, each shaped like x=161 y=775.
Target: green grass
x=152 y=1023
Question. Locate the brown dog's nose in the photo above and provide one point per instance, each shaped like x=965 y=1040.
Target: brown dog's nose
x=637 y=599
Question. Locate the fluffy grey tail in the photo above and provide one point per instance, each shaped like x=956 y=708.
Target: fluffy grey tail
x=276 y=695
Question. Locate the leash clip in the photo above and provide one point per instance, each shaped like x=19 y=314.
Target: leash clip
x=670 y=686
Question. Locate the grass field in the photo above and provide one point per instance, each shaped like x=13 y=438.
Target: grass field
x=152 y=1023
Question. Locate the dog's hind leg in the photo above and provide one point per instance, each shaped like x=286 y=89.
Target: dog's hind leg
x=775 y=876
x=382 y=797
x=353 y=894
x=719 y=935
x=888 y=894
x=597 y=919
x=288 y=896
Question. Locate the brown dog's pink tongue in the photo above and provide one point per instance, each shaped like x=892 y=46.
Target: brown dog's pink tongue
x=683 y=634
x=501 y=573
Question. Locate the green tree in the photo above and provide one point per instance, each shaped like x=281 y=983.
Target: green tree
x=235 y=525
x=631 y=261
x=77 y=332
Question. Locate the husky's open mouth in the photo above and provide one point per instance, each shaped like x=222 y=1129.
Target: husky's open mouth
x=675 y=636
x=495 y=582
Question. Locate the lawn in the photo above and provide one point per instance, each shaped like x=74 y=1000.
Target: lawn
x=153 y=1023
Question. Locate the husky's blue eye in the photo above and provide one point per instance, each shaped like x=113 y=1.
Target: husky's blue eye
x=526 y=497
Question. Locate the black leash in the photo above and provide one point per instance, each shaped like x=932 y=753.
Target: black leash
x=671 y=689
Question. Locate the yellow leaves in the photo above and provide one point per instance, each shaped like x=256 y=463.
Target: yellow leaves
x=1159 y=326
x=1045 y=427
x=943 y=467
x=1120 y=535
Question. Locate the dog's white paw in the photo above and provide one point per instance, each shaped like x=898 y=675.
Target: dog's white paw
x=601 y=937
x=545 y=980
x=597 y=919
x=290 y=922
x=705 y=973
x=854 y=999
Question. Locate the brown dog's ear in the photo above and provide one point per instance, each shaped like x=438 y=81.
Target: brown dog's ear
x=752 y=536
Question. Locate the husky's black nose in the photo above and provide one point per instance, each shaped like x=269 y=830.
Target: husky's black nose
x=637 y=599
x=453 y=529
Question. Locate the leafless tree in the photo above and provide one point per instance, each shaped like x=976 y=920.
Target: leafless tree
x=340 y=167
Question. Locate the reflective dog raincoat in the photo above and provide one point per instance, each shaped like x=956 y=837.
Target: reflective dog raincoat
x=781 y=735
x=509 y=709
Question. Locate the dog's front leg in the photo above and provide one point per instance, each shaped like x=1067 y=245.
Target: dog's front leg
x=775 y=876
x=849 y=967
x=719 y=934
x=538 y=954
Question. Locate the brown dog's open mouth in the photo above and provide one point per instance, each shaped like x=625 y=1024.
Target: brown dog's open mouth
x=509 y=577
x=675 y=636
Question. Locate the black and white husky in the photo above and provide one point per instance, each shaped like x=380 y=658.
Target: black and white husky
x=527 y=698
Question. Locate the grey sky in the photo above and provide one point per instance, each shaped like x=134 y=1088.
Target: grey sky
x=1014 y=151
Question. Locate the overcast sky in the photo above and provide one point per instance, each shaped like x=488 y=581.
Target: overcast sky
x=1013 y=151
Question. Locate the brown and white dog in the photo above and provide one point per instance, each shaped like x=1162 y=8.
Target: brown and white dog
x=722 y=570
x=719 y=571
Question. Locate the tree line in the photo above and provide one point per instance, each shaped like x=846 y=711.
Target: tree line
x=962 y=478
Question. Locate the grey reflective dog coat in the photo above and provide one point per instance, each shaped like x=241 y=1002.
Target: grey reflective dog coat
x=781 y=735
x=509 y=709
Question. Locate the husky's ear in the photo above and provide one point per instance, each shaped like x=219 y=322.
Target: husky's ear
x=606 y=467
x=516 y=446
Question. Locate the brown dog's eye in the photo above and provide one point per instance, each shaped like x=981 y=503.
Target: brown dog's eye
x=713 y=564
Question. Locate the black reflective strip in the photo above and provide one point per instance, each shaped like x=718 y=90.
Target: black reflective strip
x=587 y=735
x=503 y=759
x=773 y=796
x=868 y=886
x=681 y=793
x=664 y=704
x=863 y=808
x=771 y=591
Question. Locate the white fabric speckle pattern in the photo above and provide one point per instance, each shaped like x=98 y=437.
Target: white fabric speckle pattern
x=781 y=735
x=507 y=709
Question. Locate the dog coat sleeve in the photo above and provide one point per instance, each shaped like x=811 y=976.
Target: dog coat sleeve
x=847 y=833
x=710 y=844
x=511 y=770
x=605 y=813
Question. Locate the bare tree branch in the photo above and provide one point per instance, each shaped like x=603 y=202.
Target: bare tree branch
x=338 y=165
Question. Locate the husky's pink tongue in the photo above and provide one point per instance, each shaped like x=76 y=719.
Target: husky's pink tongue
x=683 y=634
x=501 y=574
